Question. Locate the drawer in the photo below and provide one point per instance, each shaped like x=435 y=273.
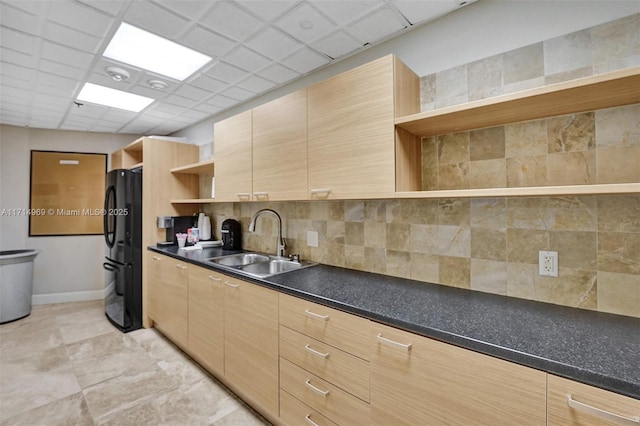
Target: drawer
x=327 y=399
x=336 y=328
x=294 y=413
x=573 y=403
x=333 y=365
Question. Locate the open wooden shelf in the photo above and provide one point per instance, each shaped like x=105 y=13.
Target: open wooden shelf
x=530 y=191
x=616 y=88
x=195 y=168
x=135 y=146
x=192 y=201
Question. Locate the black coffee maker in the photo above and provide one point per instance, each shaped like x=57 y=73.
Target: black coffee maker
x=231 y=235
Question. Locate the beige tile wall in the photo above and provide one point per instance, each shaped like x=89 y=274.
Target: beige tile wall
x=492 y=245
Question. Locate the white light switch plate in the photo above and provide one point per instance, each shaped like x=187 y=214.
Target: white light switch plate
x=312 y=238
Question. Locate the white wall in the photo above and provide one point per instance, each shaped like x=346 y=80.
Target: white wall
x=473 y=32
x=67 y=268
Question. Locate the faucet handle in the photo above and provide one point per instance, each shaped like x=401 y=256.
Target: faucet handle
x=294 y=257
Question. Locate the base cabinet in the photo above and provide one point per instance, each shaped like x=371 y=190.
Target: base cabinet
x=572 y=403
x=206 y=318
x=251 y=342
x=416 y=380
x=168 y=279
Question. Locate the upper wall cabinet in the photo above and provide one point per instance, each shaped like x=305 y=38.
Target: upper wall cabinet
x=280 y=149
x=233 y=158
x=351 y=137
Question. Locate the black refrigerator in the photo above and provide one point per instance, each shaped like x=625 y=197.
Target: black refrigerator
x=123 y=236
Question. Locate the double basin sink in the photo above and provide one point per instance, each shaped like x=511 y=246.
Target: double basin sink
x=259 y=265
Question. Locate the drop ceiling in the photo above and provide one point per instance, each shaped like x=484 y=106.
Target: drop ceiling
x=49 y=49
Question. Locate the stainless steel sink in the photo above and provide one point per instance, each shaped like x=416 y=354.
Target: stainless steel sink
x=239 y=259
x=259 y=265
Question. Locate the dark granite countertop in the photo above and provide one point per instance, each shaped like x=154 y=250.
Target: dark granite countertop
x=591 y=347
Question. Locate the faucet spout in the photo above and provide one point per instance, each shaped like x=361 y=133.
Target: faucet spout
x=280 y=244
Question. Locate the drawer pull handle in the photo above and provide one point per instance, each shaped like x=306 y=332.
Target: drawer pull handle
x=315 y=389
x=231 y=284
x=321 y=191
x=311 y=422
x=212 y=278
x=155 y=257
x=261 y=194
x=316 y=353
x=181 y=267
x=391 y=343
x=242 y=195
x=318 y=316
x=606 y=415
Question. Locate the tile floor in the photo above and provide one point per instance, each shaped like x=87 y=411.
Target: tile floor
x=65 y=364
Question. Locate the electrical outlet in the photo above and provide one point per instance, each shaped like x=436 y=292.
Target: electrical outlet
x=548 y=263
x=312 y=238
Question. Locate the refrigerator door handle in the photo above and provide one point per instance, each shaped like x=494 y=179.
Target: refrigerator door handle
x=110 y=267
x=109 y=222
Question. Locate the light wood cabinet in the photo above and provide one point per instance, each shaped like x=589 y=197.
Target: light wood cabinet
x=351 y=136
x=573 y=403
x=186 y=173
x=293 y=412
x=323 y=396
x=168 y=279
x=251 y=343
x=280 y=149
x=233 y=146
x=414 y=378
x=206 y=318
x=342 y=330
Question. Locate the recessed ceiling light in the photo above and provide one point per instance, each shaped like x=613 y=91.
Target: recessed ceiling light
x=116 y=73
x=140 y=48
x=157 y=84
x=113 y=98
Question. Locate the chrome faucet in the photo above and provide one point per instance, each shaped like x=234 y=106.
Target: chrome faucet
x=280 y=242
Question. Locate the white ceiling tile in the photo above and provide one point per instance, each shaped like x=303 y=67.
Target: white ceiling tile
x=44 y=123
x=180 y=101
x=237 y=93
x=168 y=108
x=305 y=23
x=273 y=43
x=256 y=84
x=228 y=19
x=18 y=40
x=193 y=93
x=208 y=108
x=207 y=83
x=247 y=59
x=17 y=58
x=222 y=101
x=278 y=73
x=119 y=115
x=79 y=16
x=108 y=6
x=72 y=38
x=20 y=96
x=19 y=19
x=376 y=26
x=207 y=42
x=65 y=55
x=88 y=111
x=305 y=60
x=344 y=12
x=35 y=7
x=46 y=79
x=418 y=10
x=17 y=71
x=11 y=81
x=192 y=9
x=64 y=92
x=63 y=70
x=49 y=101
x=267 y=9
x=155 y=19
x=337 y=44
x=225 y=72
x=194 y=115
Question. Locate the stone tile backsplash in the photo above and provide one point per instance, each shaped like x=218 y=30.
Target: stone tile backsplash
x=492 y=245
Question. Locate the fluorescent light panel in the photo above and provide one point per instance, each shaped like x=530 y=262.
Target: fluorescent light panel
x=113 y=98
x=142 y=49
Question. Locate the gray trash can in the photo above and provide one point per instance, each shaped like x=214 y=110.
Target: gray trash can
x=16 y=283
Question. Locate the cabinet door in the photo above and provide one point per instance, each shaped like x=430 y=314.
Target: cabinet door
x=169 y=298
x=154 y=272
x=351 y=133
x=251 y=342
x=280 y=149
x=572 y=403
x=206 y=318
x=233 y=158
x=414 y=378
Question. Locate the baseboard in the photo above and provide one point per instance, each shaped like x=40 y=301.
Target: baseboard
x=73 y=296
